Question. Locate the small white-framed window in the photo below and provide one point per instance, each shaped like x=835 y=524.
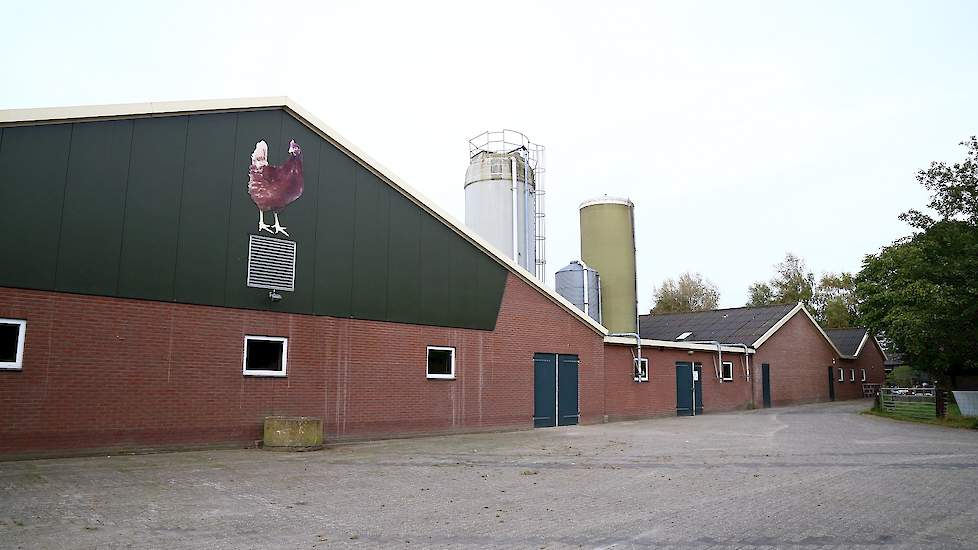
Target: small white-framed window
x=12 y=333
x=726 y=370
x=640 y=372
x=265 y=355
x=842 y=375
x=441 y=362
x=863 y=371
x=852 y=375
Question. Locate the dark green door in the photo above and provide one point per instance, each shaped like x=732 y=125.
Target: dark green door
x=544 y=390
x=831 y=384
x=766 y=384
x=698 y=387
x=567 y=410
x=684 y=389
x=555 y=390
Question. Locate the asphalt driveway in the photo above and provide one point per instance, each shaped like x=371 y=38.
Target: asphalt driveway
x=817 y=476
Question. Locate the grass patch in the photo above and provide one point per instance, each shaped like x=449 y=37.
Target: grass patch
x=953 y=419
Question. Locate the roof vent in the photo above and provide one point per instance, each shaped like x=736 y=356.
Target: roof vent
x=271 y=263
x=684 y=336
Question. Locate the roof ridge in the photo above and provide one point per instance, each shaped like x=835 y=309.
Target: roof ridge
x=769 y=306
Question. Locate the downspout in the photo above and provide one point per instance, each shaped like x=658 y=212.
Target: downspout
x=516 y=215
x=719 y=365
x=746 y=359
x=587 y=302
x=638 y=340
x=638 y=343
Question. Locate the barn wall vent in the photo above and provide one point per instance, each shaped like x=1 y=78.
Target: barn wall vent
x=271 y=263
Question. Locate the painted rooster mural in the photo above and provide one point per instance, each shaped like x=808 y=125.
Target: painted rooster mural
x=272 y=188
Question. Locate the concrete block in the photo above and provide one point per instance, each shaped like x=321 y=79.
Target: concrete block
x=293 y=433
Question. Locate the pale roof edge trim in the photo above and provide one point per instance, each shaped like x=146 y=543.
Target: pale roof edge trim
x=607 y=200
x=630 y=341
x=282 y=102
x=777 y=326
x=862 y=343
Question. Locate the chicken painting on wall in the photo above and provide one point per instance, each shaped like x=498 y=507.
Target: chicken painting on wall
x=271 y=187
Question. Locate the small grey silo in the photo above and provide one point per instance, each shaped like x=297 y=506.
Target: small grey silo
x=581 y=286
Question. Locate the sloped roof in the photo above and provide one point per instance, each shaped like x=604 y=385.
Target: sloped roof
x=895 y=360
x=95 y=112
x=742 y=325
x=848 y=340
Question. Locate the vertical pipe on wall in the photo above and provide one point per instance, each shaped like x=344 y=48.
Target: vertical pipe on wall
x=516 y=215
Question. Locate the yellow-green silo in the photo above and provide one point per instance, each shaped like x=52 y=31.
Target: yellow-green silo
x=608 y=245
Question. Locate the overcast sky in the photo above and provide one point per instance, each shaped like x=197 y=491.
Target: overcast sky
x=741 y=130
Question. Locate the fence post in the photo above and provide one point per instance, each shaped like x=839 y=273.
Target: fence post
x=940 y=403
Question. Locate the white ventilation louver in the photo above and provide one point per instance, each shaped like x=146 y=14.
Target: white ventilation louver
x=271 y=263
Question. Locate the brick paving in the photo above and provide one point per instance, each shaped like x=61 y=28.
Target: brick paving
x=812 y=477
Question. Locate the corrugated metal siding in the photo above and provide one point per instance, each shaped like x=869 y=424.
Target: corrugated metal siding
x=158 y=208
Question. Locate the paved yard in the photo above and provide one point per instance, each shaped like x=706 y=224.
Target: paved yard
x=817 y=476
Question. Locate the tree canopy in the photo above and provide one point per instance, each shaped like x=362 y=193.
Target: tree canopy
x=953 y=189
x=792 y=283
x=690 y=292
x=835 y=302
x=832 y=301
x=922 y=290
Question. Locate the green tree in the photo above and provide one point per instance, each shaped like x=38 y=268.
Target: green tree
x=690 y=292
x=835 y=302
x=760 y=294
x=901 y=376
x=792 y=283
x=953 y=189
x=922 y=290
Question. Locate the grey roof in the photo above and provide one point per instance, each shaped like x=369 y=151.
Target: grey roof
x=895 y=360
x=740 y=325
x=847 y=339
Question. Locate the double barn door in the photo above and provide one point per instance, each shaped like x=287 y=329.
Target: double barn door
x=555 y=390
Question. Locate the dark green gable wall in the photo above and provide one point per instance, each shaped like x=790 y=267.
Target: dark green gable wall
x=158 y=209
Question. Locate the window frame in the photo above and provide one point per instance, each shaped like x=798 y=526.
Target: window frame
x=640 y=365
x=842 y=374
x=863 y=371
x=245 y=371
x=427 y=356
x=852 y=375
x=722 y=374
x=18 y=362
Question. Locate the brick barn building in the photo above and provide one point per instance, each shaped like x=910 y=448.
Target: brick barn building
x=863 y=362
x=793 y=360
x=143 y=306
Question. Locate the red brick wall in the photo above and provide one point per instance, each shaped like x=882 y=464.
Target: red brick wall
x=730 y=394
x=871 y=358
x=626 y=399
x=107 y=372
x=799 y=357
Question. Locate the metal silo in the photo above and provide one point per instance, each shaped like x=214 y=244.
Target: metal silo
x=581 y=286
x=504 y=196
x=608 y=245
